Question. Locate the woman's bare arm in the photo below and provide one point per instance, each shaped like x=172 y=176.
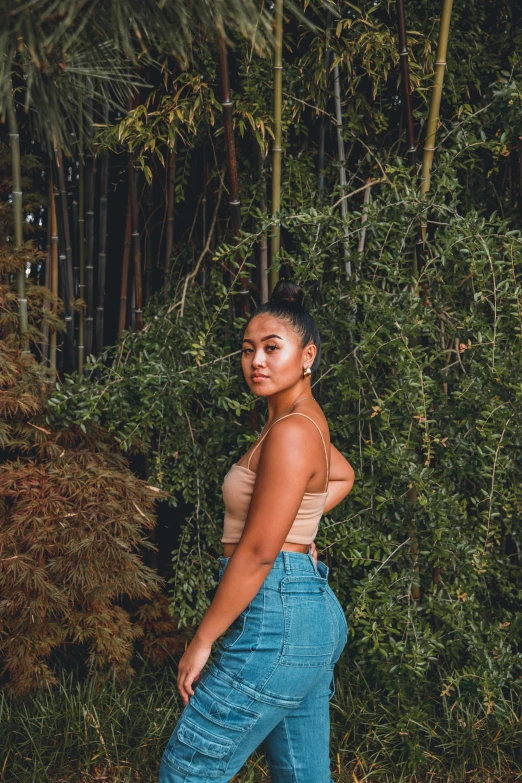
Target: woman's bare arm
x=341 y=479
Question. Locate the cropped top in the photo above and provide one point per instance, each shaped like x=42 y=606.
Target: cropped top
x=238 y=486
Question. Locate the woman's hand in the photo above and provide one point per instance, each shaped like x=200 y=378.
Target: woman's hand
x=189 y=668
x=313 y=551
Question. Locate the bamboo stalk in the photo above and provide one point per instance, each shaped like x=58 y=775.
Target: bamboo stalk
x=436 y=95
x=75 y=223
x=171 y=193
x=47 y=281
x=70 y=358
x=263 y=242
x=14 y=138
x=90 y=178
x=65 y=231
x=136 y=249
x=81 y=254
x=54 y=276
x=364 y=217
x=102 y=245
x=322 y=126
x=275 y=243
x=125 y=273
x=406 y=85
x=342 y=169
x=234 y=201
x=147 y=270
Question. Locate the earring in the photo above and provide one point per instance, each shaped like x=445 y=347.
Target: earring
x=307 y=371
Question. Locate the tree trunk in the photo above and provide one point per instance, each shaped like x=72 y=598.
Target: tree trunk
x=275 y=244
x=342 y=170
x=18 y=217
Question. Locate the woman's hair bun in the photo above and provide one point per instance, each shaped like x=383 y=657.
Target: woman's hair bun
x=287 y=291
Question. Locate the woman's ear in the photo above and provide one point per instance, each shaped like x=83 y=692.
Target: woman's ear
x=310 y=353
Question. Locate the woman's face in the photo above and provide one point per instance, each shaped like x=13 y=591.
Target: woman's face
x=272 y=359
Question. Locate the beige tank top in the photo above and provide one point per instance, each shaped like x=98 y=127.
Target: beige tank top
x=237 y=489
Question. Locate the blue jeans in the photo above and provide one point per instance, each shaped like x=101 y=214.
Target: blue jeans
x=270 y=682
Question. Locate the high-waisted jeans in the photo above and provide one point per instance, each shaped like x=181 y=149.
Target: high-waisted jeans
x=270 y=682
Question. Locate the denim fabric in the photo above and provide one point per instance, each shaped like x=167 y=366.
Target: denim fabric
x=270 y=682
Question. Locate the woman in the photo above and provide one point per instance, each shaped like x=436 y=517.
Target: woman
x=272 y=676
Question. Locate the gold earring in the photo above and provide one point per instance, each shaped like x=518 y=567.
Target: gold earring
x=307 y=371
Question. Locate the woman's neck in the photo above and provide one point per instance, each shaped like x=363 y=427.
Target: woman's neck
x=283 y=402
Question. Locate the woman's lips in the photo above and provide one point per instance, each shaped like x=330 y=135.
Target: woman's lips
x=259 y=378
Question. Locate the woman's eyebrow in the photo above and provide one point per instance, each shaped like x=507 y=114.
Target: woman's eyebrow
x=268 y=336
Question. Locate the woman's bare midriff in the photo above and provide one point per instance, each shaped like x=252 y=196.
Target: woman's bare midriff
x=228 y=549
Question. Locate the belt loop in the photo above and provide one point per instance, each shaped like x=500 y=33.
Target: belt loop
x=286 y=561
x=311 y=557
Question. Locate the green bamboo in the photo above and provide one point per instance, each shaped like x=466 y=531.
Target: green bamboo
x=436 y=95
x=275 y=244
x=18 y=217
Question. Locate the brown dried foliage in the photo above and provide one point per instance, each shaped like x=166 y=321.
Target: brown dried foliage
x=74 y=523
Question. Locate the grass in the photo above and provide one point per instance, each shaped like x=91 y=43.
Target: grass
x=94 y=729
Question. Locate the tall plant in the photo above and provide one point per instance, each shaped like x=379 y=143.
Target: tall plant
x=14 y=137
x=277 y=152
x=234 y=201
x=436 y=96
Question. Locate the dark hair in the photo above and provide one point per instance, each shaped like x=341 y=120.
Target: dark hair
x=286 y=301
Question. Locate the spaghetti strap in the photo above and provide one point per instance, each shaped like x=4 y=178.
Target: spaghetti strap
x=295 y=413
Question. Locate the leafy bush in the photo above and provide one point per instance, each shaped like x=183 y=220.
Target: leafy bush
x=74 y=526
x=421 y=386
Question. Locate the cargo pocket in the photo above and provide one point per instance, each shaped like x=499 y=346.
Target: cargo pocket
x=201 y=752
x=309 y=624
x=232 y=717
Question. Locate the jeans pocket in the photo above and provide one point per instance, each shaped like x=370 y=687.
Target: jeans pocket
x=309 y=631
x=216 y=710
x=194 y=749
x=236 y=630
x=341 y=611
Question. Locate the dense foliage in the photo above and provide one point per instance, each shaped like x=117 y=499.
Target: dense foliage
x=421 y=377
x=75 y=525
